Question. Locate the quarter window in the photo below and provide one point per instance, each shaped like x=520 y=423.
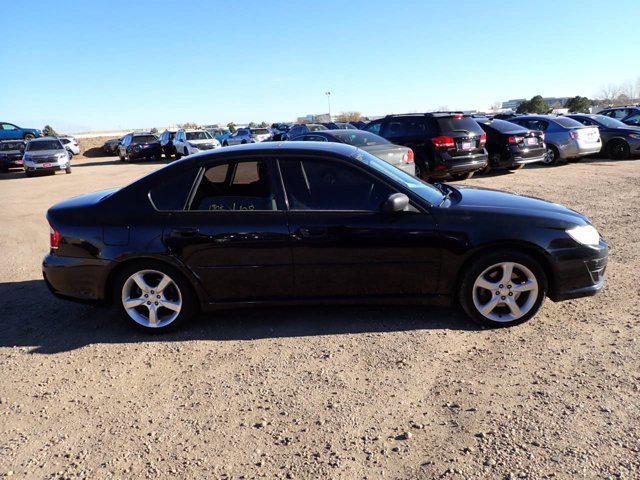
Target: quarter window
x=235 y=186
x=171 y=193
x=330 y=185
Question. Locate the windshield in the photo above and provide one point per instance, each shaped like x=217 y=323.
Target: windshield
x=12 y=146
x=417 y=186
x=358 y=138
x=143 y=139
x=609 y=122
x=259 y=131
x=44 y=145
x=198 y=136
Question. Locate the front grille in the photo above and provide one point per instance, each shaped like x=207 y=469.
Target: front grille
x=204 y=146
x=45 y=159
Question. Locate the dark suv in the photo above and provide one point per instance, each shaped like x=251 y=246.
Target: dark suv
x=166 y=143
x=444 y=143
x=629 y=114
x=135 y=146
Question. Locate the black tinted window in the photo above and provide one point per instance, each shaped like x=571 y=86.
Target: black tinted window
x=144 y=139
x=235 y=186
x=503 y=126
x=373 y=128
x=567 y=122
x=172 y=192
x=448 y=124
x=358 y=138
x=406 y=127
x=44 y=145
x=331 y=185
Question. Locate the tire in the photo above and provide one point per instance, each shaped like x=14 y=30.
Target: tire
x=489 y=270
x=68 y=169
x=243 y=142
x=618 y=150
x=462 y=176
x=225 y=144
x=29 y=136
x=553 y=155
x=28 y=174
x=178 y=293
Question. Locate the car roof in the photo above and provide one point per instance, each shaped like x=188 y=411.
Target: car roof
x=273 y=148
x=42 y=139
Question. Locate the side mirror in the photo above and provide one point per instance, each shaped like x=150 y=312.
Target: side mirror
x=396 y=202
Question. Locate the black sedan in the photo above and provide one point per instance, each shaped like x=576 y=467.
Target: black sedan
x=308 y=222
x=137 y=146
x=397 y=155
x=512 y=146
x=619 y=140
x=11 y=152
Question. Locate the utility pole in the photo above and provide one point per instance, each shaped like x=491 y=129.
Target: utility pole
x=328 y=94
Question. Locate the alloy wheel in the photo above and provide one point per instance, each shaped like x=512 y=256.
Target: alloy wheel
x=505 y=292
x=151 y=298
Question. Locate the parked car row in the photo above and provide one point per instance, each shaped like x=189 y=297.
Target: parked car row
x=441 y=144
x=38 y=154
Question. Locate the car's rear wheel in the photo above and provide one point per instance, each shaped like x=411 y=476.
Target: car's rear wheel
x=618 y=150
x=462 y=176
x=503 y=288
x=29 y=136
x=553 y=155
x=68 y=169
x=154 y=297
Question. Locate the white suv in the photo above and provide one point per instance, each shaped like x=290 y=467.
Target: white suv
x=187 y=142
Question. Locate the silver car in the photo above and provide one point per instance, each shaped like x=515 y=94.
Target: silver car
x=565 y=138
x=46 y=155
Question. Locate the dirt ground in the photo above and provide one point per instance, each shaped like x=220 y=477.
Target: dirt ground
x=315 y=393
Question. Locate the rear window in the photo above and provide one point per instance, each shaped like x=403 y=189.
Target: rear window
x=452 y=124
x=358 y=138
x=503 y=126
x=198 y=136
x=567 y=122
x=12 y=146
x=315 y=128
x=143 y=139
x=44 y=145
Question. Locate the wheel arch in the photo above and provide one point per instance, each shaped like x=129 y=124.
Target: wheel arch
x=109 y=283
x=531 y=249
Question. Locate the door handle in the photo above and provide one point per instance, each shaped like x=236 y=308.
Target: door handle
x=184 y=232
x=312 y=231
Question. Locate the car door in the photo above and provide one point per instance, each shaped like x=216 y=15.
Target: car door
x=414 y=133
x=233 y=234
x=343 y=244
x=122 y=147
x=9 y=132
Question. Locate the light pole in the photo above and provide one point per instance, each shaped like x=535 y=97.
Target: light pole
x=328 y=94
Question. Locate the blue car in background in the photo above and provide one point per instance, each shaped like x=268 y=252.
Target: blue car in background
x=619 y=140
x=9 y=131
x=220 y=134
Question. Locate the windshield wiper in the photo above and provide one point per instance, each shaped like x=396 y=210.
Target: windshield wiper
x=445 y=197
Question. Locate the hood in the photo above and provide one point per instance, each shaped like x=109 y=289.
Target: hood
x=45 y=153
x=481 y=199
x=202 y=141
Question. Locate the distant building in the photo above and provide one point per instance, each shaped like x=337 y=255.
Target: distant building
x=553 y=102
x=315 y=118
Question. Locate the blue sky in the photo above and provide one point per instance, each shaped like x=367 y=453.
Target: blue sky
x=122 y=64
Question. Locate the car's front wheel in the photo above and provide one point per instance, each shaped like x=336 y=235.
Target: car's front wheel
x=29 y=136
x=154 y=297
x=619 y=150
x=553 y=155
x=503 y=288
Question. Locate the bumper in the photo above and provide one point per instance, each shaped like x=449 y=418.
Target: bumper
x=8 y=162
x=146 y=153
x=446 y=164
x=77 y=279
x=579 y=272
x=576 y=149
x=44 y=167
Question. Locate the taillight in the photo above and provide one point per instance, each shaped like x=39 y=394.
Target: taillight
x=483 y=139
x=515 y=139
x=54 y=237
x=443 y=142
x=457 y=116
x=573 y=134
x=408 y=157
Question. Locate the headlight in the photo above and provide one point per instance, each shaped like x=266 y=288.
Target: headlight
x=585 y=234
x=635 y=135
x=62 y=155
x=193 y=145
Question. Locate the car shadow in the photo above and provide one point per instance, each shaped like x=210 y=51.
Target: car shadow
x=96 y=152
x=117 y=161
x=34 y=318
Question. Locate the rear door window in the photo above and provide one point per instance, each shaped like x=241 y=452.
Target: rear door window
x=374 y=128
x=633 y=119
x=236 y=186
x=172 y=192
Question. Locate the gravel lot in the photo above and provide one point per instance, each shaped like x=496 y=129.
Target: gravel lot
x=344 y=392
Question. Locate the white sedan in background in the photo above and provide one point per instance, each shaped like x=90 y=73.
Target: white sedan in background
x=71 y=144
x=187 y=142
